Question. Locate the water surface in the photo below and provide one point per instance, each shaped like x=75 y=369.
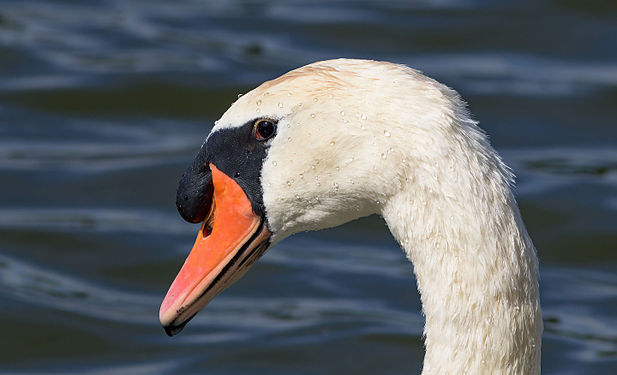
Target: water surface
x=104 y=103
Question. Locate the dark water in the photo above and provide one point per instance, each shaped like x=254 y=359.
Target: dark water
x=103 y=103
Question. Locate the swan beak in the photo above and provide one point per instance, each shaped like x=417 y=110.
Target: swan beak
x=231 y=239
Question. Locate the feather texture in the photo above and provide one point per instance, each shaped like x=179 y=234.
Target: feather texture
x=358 y=137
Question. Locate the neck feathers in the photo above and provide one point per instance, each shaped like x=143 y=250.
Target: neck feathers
x=476 y=267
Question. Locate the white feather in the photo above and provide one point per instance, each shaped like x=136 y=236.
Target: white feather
x=358 y=137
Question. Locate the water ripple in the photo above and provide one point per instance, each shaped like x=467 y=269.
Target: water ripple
x=573 y=300
x=520 y=74
x=94 y=219
x=101 y=147
x=150 y=367
x=147 y=37
x=34 y=284
x=556 y=167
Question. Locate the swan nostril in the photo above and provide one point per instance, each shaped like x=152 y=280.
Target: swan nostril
x=207 y=229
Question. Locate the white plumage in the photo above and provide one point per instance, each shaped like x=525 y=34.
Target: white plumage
x=358 y=137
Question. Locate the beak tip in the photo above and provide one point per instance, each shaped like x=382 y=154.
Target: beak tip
x=172 y=330
x=167 y=321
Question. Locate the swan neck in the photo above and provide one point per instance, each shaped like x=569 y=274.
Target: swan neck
x=476 y=270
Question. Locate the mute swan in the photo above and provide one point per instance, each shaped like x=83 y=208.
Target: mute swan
x=336 y=140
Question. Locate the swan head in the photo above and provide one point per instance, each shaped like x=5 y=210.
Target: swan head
x=317 y=147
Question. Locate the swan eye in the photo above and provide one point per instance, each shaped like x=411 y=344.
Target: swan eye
x=264 y=129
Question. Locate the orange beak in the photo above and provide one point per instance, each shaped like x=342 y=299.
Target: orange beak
x=231 y=239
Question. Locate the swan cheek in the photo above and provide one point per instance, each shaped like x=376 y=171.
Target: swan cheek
x=231 y=239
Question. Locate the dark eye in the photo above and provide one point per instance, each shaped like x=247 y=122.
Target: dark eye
x=264 y=129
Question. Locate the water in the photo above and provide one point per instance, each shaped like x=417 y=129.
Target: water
x=104 y=103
